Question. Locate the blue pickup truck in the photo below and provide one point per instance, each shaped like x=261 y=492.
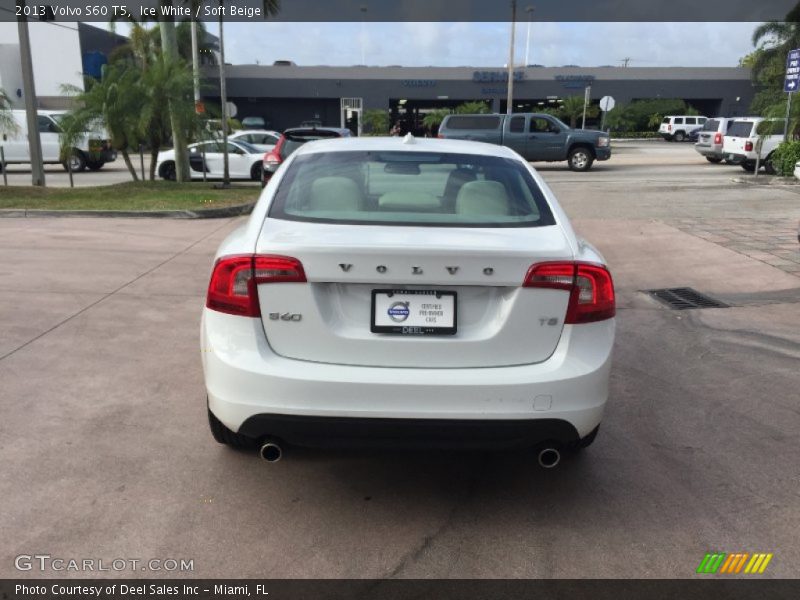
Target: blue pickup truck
x=535 y=136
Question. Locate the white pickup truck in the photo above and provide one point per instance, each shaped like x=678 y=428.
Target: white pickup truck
x=93 y=149
x=747 y=135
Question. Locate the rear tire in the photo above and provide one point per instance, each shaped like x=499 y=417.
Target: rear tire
x=256 y=172
x=225 y=436
x=167 y=171
x=748 y=166
x=713 y=160
x=679 y=136
x=580 y=159
x=95 y=166
x=769 y=168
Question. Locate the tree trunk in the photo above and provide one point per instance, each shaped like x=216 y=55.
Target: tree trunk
x=153 y=161
x=169 y=50
x=129 y=164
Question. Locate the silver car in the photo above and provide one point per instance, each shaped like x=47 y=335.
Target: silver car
x=711 y=138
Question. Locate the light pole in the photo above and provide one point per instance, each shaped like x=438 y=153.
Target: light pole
x=363 y=10
x=528 y=10
x=223 y=96
x=510 y=94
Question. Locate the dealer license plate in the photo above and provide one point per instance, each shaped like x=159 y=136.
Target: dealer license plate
x=413 y=312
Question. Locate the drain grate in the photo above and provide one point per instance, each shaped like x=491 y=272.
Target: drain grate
x=684 y=298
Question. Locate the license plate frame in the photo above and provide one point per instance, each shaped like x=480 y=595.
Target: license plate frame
x=410 y=325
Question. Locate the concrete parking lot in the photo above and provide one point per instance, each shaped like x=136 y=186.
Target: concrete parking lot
x=107 y=453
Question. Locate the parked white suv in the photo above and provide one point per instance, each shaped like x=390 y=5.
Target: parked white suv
x=678 y=128
x=711 y=137
x=745 y=137
x=93 y=149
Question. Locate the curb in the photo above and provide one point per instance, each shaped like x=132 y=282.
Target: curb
x=202 y=213
x=767 y=180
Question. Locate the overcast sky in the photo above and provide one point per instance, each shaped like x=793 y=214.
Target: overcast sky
x=486 y=44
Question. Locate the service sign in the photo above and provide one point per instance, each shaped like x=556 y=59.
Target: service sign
x=792 y=80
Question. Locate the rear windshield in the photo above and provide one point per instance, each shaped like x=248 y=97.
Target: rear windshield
x=473 y=122
x=740 y=129
x=295 y=140
x=410 y=188
x=666 y=120
x=711 y=125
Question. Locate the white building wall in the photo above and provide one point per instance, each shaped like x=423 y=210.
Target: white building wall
x=56 y=56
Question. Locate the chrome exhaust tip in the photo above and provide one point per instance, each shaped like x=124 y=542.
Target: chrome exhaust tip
x=549 y=458
x=271 y=452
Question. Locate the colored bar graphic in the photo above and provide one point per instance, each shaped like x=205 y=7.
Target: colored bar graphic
x=764 y=564
x=723 y=563
x=741 y=562
x=711 y=562
x=703 y=564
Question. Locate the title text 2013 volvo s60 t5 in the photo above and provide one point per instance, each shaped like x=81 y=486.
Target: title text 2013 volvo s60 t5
x=407 y=292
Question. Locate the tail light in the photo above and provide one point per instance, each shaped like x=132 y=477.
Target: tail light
x=233 y=288
x=270 y=158
x=590 y=287
x=718 y=138
x=748 y=146
x=440 y=136
x=669 y=127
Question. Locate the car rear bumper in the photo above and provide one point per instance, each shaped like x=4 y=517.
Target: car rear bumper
x=737 y=158
x=248 y=385
x=710 y=150
x=327 y=432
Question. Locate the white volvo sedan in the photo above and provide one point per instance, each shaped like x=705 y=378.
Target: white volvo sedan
x=409 y=292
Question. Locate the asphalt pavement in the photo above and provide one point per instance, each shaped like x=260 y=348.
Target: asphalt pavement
x=106 y=451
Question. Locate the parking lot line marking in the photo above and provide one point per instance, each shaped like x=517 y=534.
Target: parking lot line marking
x=113 y=292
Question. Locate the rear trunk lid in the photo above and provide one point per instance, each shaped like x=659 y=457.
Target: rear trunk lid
x=329 y=319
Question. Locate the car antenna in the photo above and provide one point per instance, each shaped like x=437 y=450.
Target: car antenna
x=409 y=139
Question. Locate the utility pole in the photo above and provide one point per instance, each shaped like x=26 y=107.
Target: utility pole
x=528 y=10
x=29 y=90
x=195 y=64
x=510 y=94
x=223 y=97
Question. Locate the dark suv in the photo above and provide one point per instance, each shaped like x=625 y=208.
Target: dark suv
x=291 y=140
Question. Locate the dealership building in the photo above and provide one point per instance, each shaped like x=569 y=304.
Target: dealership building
x=285 y=95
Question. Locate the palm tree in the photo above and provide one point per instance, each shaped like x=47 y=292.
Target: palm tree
x=772 y=40
x=473 y=108
x=116 y=101
x=169 y=54
x=167 y=108
x=7 y=122
x=572 y=109
x=433 y=119
x=376 y=121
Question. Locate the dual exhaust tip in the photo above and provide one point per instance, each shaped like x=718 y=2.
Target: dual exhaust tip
x=549 y=458
x=271 y=451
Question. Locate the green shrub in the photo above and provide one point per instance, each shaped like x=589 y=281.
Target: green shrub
x=637 y=135
x=784 y=158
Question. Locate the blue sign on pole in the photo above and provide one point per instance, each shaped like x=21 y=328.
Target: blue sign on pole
x=792 y=81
